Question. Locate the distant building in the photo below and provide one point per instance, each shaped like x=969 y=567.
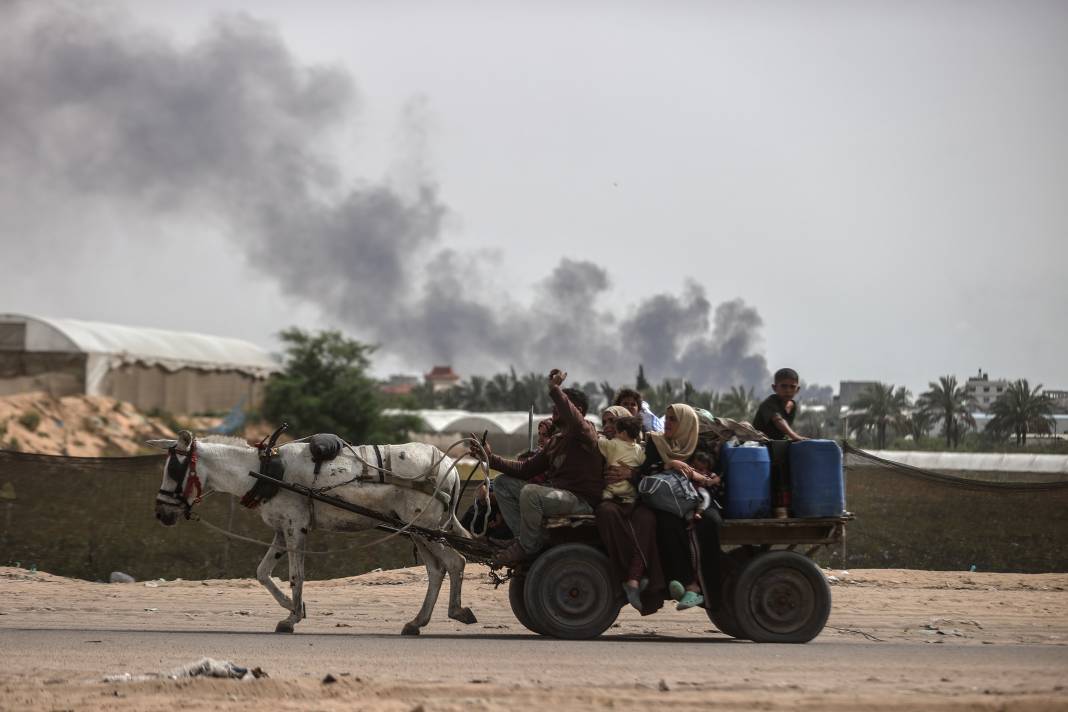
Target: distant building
x=984 y=391
x=1059 y=398
x=849 y=391
x=399 y=385
x=442 y=378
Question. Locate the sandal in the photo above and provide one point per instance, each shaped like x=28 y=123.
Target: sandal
x=676 y=590
x=689 y=600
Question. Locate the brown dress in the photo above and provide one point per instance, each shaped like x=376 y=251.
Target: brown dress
x=628 y=532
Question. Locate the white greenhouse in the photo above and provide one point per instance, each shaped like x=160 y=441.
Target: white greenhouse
x=152 y=368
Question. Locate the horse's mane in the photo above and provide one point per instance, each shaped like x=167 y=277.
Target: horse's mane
x=225 y=440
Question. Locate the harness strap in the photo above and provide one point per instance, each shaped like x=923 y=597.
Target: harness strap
x=378 y=458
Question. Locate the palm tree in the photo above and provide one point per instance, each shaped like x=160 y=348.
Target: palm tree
x=709 y=400
x=499 y=391
x=471 y=395
x=738 y=404
x=918 y=424
x=1021 y=410
x=662 y=396
x=950 y=404
x=812 y=423
x=608 y=392
x=881 y=407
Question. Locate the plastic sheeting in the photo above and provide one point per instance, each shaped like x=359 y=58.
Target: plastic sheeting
x=462 y=421
x=112 y=345
x=978 y=461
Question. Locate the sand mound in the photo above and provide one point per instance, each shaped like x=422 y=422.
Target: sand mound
x=84 y=426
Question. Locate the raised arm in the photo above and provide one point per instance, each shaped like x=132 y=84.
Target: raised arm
x=570 y=416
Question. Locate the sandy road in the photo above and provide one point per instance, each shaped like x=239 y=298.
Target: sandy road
x=921 y=640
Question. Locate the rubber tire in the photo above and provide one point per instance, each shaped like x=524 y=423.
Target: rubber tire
x=782 y=597
x=516 y=597
x=570 y=593
x=725 y=619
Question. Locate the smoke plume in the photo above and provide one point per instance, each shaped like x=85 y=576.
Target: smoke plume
x=232 y=129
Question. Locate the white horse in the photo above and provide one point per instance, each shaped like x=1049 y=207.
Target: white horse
x=222 y=464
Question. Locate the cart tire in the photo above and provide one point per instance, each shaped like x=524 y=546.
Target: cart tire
x=725 y=619
x=516 y=586
x=782 y=597
x=570 y=593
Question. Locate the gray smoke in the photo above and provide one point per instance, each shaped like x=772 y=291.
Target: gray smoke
x=233 y=129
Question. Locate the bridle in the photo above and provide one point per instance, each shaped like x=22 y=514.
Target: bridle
x=188 y=490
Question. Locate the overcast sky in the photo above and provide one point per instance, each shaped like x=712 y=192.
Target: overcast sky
x=884 y=186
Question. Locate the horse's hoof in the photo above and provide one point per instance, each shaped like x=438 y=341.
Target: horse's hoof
x=283 y=627
x=464 y=616
x=410 y=629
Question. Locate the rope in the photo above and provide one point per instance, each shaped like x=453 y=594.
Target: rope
x=270 y=544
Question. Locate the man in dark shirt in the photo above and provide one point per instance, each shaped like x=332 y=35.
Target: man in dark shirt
x=775 y=416
x=572 y=467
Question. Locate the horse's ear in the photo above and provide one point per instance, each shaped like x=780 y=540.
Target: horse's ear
x=161 y=444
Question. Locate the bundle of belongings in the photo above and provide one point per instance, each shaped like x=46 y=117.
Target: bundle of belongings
x=713 y=432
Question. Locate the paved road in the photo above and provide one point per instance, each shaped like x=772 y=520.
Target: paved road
x=526 y=659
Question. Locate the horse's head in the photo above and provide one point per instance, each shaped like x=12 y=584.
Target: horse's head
x=181 y=487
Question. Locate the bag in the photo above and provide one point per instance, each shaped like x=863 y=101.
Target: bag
x=669 y=492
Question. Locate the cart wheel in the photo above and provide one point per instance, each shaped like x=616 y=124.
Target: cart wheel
x=571 y=594
x=782 y=597
x=516 y=586
x=725 y=619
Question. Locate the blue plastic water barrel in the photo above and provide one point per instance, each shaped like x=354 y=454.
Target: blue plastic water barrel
x=747 y=471
x=816 y=481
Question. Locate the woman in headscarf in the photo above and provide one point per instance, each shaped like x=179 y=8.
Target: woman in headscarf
x=608 y=419
x=671 y=450
x=628 y=532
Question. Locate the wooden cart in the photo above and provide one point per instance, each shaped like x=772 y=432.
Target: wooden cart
x=771 y=593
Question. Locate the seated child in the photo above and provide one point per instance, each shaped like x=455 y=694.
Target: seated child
x=623 y=450
x=701 y=462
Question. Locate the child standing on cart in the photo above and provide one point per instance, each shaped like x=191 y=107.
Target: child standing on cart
x=775 y=416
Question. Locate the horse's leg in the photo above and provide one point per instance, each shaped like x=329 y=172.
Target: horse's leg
x=266 y=568
x=454 y=563
x=296 y=537
x=435 y=575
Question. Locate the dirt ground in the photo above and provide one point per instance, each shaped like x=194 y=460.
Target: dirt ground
x=896 y=639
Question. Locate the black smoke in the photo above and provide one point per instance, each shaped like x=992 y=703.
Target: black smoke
x=97 y=111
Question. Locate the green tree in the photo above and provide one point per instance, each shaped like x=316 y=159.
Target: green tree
x=813 y=423
x=607 y=392
x=1021 y=410
x=949 y=404
x=881 y=407
x=918 y=424
x=641 y=384
x=738 y=404
x=325 y=388
x=662 y=396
